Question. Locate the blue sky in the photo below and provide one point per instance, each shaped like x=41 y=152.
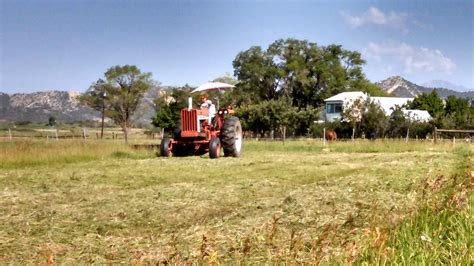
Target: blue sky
x=66 y=45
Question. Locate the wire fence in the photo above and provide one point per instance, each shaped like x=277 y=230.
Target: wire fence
x=74 y=133
x=439 y=135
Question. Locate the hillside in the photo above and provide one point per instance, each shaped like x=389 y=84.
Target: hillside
x=37 y=107
x=401 y=87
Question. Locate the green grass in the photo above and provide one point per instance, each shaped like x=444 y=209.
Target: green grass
x=44 y=132
x=18 y=154
x=440 y=232
x=101 y=202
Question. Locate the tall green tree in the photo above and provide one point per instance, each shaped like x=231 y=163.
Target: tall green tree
x=398 y=123
x=457 y=113
x=298 y=69
x=430 y=102
x=169 y=104
x=352 y=113
x=94 y=96
x=258 y=76
x=52 y=121
x=123 y=86
x=374 y=121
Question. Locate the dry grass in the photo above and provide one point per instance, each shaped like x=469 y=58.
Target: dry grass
x=301 y=202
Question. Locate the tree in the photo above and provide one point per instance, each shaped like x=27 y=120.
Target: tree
x=124 y=86
x=457 y=113
x=169 y=104
x=52 y=121
x=257 y=75
x=227 y=78
x=374 y=121
x=365 y=115
x=430 y=102
x=352 y=113
x=298 y=69
x=397 y=123
x=266 y=116
x=164 y=117
x=94 y=96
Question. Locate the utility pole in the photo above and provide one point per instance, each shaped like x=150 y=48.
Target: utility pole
x=103 y=94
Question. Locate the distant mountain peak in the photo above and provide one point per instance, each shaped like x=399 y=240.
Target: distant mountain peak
x=399 y=86
x=445 y=85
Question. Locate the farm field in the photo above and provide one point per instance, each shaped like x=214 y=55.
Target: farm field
x=347 y=202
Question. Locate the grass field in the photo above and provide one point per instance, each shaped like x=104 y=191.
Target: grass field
x=355 y=202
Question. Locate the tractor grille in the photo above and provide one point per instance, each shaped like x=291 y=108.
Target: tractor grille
x=189 y=122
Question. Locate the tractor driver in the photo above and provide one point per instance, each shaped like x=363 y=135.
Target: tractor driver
x=206 y=103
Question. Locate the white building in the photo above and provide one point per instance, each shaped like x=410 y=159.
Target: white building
x=336 y=104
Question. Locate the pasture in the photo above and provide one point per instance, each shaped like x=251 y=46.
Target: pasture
x=101 y=202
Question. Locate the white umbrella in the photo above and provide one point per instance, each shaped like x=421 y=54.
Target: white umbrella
x=213 y=86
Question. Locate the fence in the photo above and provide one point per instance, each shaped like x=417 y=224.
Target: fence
x=467 y=131
x=141 y=134
x=72 y=133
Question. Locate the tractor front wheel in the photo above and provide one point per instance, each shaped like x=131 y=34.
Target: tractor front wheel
x=214 y=148
x=231 y=137
x=166 y=147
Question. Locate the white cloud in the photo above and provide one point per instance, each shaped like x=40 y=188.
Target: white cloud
x=410 y=59
x=375 y=16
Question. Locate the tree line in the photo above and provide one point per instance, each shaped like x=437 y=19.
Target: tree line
x=280 y=88
x=367 y=118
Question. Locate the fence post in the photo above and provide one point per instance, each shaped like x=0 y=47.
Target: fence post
x=435 y=135
x=10 y=133
x=56 y=132
x=408 y=134
x=454 y=141
x=324 y=136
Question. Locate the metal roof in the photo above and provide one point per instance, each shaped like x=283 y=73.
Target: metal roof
x=388 y=103
x=347 y=96
x=418 y=115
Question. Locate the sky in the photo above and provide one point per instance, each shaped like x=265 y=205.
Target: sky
x=67 y=45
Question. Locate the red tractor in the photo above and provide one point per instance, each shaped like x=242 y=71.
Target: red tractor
x=198 y=132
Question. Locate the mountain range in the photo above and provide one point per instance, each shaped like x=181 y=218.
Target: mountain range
x=398 y=86
x=37 y=107
x=445 y=84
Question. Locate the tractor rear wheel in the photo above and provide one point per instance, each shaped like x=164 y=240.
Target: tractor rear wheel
x=214 y=148
x=231 y=137
x=166 y=147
